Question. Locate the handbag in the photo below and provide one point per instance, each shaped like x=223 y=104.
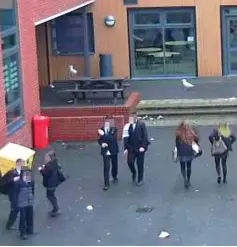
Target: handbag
x=61 y=176
x=196 y=150
x=175 y=155
x=218 y=147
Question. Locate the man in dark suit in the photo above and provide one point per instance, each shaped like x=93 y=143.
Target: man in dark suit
x=109 y=150
x=9 y=182
x=136 y=143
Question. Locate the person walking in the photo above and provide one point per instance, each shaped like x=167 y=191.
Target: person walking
x=135 y=139
x=8 y=183
x=52 y=178
x=187 y=148
x=25 y=202
x=221 y=140
x=109 y=150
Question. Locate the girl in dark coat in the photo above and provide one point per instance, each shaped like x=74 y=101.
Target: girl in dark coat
x=49 y=171
x=185 y=137
x=221 y=140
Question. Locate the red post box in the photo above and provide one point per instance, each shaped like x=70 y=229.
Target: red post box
x=41 y=131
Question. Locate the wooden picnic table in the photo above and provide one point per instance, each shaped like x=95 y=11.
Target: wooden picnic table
x=85 y=85
x=148 y=49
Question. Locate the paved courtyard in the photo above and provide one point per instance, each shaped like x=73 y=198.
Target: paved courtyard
x=204 y=215
x=205 y=88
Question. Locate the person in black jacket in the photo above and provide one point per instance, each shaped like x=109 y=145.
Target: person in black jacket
x=109 y=150
x=221 y=140
x=49 y=171
x=136 y=143
x=25 y=202
x=8 y=181
x=186 y=136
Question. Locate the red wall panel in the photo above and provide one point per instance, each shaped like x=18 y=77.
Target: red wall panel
x=46 y=8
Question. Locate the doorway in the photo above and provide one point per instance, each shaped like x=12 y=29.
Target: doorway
x=229 y=34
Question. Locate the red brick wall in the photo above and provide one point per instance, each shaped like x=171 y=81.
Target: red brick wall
x=82 y=123
x=30 y=86
x=2 y=104
x=41 y=9
x=79 y=128
x=46 y=8
x=76 y=123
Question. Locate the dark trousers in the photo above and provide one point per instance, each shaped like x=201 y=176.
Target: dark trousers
x=221 y=159
x=113 y=159
x=26 y=220
x=186 y=169
x=13 y=215
x=139 y=158
x=50 y=193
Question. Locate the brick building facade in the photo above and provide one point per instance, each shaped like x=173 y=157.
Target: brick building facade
x=19 y=95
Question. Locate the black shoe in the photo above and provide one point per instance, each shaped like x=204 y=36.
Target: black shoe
x=106 y=188
x=134 y=178
x=23 y=237
x=139 y=183
x=9 y=228
x=55 y=213
x=32 y=233
x=186 y=184
x=219 y=180
x=115 y=181
x=224 y=181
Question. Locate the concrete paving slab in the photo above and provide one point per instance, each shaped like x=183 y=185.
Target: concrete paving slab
x=205 y=88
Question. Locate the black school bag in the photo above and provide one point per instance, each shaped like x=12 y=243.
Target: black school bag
x=61 y=177
x=3 y=186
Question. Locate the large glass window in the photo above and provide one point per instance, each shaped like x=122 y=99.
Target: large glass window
x=71 y=40
x=11 y=67
x=163 y=42
x=229 y=40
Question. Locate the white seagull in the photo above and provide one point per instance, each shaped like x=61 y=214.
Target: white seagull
x=72 y=70
x=187 y=84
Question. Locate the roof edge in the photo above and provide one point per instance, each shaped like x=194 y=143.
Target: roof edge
x=63 y=12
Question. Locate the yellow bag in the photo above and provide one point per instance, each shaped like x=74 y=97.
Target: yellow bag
x=9 y=155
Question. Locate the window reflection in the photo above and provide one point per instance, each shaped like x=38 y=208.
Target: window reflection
x=7 y=19
x=233 y=33
x=147 y=43
x=180 y=43
x=164 y=49
x=10 y=51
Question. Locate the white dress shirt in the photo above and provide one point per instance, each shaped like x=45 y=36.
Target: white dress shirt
x=106 y=132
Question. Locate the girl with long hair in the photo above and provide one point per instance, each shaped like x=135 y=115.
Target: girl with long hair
x=186 y=136
x=221 y=140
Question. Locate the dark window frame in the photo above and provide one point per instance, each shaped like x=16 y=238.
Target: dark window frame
x=226 y=12
x=90 y=20
x=130 y=2
x=163 y=25
x=14 y=126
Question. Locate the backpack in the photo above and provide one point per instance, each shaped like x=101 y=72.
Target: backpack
x=218 y=147
x=61 y=177
x=3 y=189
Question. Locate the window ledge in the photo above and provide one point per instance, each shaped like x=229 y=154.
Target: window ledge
x=71 y=54
x=15 y=126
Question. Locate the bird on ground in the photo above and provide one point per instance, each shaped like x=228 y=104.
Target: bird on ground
x=187 y=84
x=72 y=70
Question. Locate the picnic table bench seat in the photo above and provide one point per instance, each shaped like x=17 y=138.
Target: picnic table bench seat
x=88 y=85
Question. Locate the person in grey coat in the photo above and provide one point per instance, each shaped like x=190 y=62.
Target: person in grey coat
x=25 y=202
